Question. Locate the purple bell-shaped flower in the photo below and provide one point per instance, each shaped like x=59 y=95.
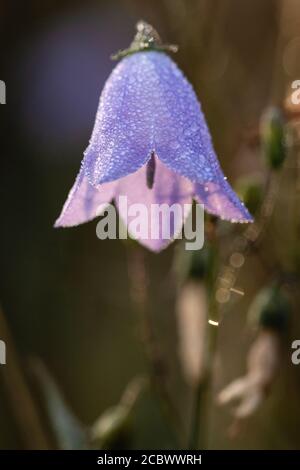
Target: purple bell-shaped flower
x=150 y=143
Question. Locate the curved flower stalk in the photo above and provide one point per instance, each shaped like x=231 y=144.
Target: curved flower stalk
x=270 y=312
x=250 y=390
x=150 y=143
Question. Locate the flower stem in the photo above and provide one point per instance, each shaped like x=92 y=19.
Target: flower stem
x=200 y=413
x=198 y=437
x=157 y=365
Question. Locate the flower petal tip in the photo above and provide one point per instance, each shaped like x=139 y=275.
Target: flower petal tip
x=56 y=224
x=155 y=246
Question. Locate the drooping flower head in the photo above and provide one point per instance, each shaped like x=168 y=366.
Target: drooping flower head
x=150 y=142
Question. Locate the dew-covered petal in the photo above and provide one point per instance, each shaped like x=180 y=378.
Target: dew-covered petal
x=220 y=200
x=83 y=201
x=168 y=189
x=124 y=130
x=183 y=142
x=148 y=106
x=180 y=134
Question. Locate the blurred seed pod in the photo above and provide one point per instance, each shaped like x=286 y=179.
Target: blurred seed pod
x=291 y=103
x=272 y=130
x=270 y=313
x=201 y=262
x=112 y=428
x=249 y=392
x=250 y=190
x=191 y=311
x=270 y=309
x=194 y=264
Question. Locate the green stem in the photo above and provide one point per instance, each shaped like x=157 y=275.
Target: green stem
x=202 y=399
x=197 y=434
x=198 y=437
x=157 y=366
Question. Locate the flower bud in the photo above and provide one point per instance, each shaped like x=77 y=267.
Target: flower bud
x=273 y=137
x=194 y=264
x=270 y=309
x=250 y=190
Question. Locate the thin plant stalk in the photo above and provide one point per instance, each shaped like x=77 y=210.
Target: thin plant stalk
x=139 y=293
x=199 y=419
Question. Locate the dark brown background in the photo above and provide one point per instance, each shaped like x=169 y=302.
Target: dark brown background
x=65 y=294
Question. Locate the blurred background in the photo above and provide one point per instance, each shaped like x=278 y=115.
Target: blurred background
x=106 y=342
